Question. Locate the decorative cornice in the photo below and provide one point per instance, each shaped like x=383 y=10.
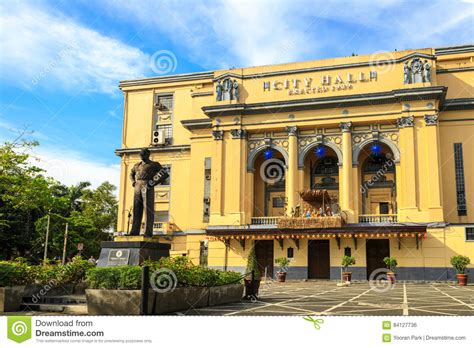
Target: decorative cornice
x=338 y=66
x=207 y=75
x=218 y=134
x=452 y=70
x=454 y=49
x=394 y=96
x=345 y=126
x=292 y=130
x=406 y=121
x=199 y=123
x=136 y=150
x=431 y=120
x=458 y=104
x=238 y=133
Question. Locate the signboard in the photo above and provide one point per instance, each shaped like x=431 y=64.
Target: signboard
x=118 y=257
x=80 y=246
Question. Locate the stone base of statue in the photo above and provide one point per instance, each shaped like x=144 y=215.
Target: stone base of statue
x=132 y=250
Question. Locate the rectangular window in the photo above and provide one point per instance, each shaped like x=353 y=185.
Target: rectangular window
x=278 y=202
x=470 y=233
x=162 y=120
x=162 y=216
x=207 y=189
x=167 y=182
x=383 y=208
x=459 y=172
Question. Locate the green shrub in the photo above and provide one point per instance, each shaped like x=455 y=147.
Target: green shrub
x=72 y=272
x=113 y=278
x=460 y=263
x=391 y=263
x=282 y=262
x=15 y=273
x=347 y=261
x=252 y=264
x=229 y=277
x=130 y=277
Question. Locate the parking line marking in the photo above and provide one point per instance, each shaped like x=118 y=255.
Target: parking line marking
x=405 y=300
x=453 y=298
x=343 y=303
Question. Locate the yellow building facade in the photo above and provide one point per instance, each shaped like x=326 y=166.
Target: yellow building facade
x=369 y=156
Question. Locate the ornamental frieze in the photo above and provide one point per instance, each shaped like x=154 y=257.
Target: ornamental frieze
x=431 y=120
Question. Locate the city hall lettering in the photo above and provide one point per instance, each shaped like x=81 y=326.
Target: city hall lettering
x=327 y=83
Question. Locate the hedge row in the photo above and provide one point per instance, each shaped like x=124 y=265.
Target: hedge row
x=179 y=270
x=19 y=272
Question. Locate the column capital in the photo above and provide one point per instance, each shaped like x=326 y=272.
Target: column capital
x=238 y=133
x=345 y=126
x=218 y=134
x=431 y=120
x=405 y=121
x=292 y=130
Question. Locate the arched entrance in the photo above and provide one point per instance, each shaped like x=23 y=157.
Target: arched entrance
x=377 y=178
x=321 y=172
x=269 y=184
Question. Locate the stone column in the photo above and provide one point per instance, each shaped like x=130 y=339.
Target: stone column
x=236 y=154
x=407 y=180
x=433 y=181
x=217 y=179
x=346 y=201
x=292 y=171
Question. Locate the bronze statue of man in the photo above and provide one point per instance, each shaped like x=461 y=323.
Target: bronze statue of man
x=145 y=175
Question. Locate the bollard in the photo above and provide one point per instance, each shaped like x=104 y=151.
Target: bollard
x=252 y=282
x=144 y=292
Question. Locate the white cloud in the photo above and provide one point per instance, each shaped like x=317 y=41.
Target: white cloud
x=44 y=47
x=70 y=168
x=223 y=33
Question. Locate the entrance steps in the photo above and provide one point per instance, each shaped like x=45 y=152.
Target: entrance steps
x=66 y=304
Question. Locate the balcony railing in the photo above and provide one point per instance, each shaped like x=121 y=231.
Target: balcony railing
x=378 y=218
x=265 y=220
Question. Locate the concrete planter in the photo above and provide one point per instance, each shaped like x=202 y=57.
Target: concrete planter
x=127 y=302
x=10 y=298
x=113 y=302
x=225 y=294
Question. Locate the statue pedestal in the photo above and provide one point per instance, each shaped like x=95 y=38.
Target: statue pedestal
x=132 y=250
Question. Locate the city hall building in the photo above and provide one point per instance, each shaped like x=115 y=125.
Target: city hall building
x=368 y=156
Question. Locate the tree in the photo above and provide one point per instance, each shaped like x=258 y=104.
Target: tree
x=27 y=197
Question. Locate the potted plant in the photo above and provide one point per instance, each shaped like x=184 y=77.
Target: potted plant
x=252 y=283
x=283 y=263
x=391 y=263
x=346 y=262
x=460 y=263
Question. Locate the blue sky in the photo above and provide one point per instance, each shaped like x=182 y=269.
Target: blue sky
x=61 y=61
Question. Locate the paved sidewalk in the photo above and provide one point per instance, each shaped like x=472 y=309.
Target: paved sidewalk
x=325 y=298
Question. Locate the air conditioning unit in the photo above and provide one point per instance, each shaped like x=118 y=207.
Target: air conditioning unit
x=158 y=136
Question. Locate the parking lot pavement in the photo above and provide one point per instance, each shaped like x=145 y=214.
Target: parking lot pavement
x=325 y=298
